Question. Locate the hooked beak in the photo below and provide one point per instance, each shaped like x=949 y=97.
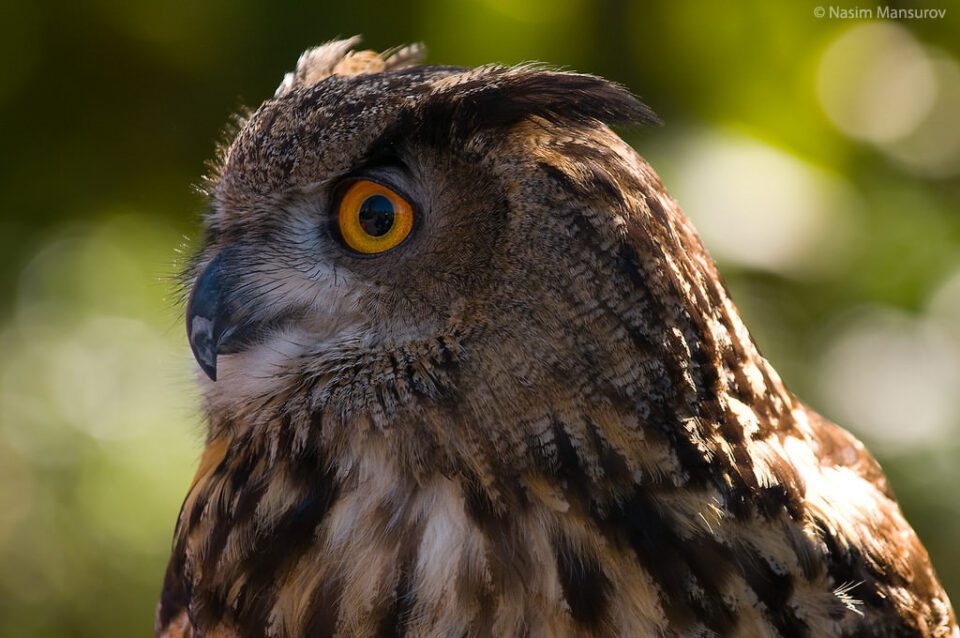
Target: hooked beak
x=209 y=321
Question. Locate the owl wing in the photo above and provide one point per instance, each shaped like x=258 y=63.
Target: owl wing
x=873 y=555
x=796 y=532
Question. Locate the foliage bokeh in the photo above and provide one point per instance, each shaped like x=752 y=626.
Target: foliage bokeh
x=819 y=156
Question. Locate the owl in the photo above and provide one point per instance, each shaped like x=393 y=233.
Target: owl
x=469 y=371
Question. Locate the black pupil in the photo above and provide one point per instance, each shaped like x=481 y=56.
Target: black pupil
x=376 y=215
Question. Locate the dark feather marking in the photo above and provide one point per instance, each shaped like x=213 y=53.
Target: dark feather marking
x=774 y=590
x=203 y=497
x=709 y=563
x=248 y=492
x=585 y=586
x=848 y=564
x=210 y=601
x=275 y=553
x=576 y=482
x=324 y=609
x=507 y=558
x=806 y=552
x=199 y=505
x=612 y=463
x=790 y=490
x=393 y=624
x=480 y=507
x=676 y=564
x=175 y=595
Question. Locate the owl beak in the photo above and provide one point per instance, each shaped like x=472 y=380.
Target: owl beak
x=209 y=323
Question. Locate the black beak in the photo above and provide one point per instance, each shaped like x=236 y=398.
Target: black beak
x=209 y=323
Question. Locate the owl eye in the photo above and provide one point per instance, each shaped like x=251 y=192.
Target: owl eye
x=372 y=218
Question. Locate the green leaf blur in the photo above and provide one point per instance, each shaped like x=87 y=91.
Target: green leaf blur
x=820 y=157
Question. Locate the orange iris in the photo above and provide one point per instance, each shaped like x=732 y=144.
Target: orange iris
x=372 y=218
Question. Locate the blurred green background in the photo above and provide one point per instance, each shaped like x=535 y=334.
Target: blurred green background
x=818 y=156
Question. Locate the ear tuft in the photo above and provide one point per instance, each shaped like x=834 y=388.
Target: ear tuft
x=497 y=96
x=337 y=58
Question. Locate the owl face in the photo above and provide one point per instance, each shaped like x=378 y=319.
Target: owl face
x=370 y=210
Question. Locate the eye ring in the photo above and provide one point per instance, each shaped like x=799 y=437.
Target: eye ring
x=372 y=218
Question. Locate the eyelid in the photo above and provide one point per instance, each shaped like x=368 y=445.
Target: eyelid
x=392 y=176
x=396 y=176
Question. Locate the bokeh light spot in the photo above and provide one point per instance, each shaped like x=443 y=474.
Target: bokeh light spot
x=892 y=378
x=876 y=82
x=932 y=149
x=762 y=207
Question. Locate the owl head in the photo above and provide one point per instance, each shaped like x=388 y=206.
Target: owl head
x=384 y=235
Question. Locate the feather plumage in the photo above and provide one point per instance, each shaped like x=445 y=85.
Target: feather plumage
x=542 y=417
